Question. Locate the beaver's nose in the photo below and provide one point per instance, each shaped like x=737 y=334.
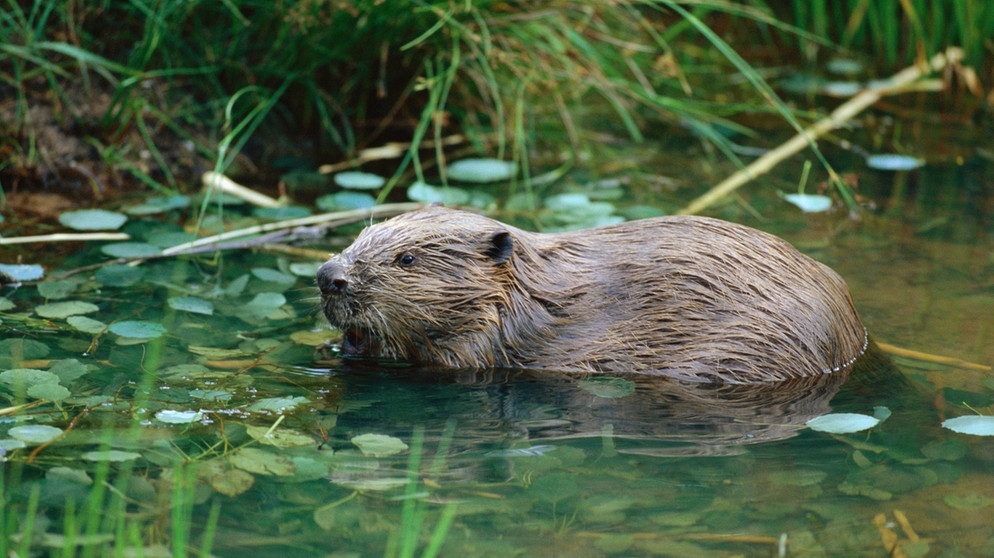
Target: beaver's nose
x=331 y=277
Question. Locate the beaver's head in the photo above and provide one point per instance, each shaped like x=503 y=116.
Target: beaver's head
x=422 y=287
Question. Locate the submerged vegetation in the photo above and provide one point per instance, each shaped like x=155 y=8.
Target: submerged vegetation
x=138 y=399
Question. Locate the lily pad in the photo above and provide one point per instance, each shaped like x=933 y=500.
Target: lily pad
x=894 y=162
x=35 y=433
x=283 y=212
x=426 y=193
x=481 y=170
x=358 y=180
x=130 y=250
x=86 y=325
x=93 y=220
x=19 y=379
x=57 y=289
x=346 y=199
x=48 y=392
x=277 y=404
x=178 y=417
x=119 y=275
x=138 y=329
x=280 y=437
x=23 y=272
x=111 y=455
x=191 y=304
x=28 y=349
x=65 y=309
x=967 y=501
x=273 y=275
x=160 y=204
x=842 y=423
x=379 y=445
x=810 y=203
x=262 y=462
x=976 y=425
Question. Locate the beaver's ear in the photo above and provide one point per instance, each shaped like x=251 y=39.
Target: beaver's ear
x=499 y=247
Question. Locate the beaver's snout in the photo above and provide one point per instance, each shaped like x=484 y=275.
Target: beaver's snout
x=331 y=278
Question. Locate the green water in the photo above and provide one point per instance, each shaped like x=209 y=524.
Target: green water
x=237 y=418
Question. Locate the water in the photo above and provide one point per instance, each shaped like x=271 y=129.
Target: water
x=514 y=463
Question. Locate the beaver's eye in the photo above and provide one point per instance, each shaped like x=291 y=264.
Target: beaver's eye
x=406 y=260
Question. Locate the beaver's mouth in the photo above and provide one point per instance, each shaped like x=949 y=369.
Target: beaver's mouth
x=356 y=342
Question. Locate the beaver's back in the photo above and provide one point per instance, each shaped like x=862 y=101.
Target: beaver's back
x=696 y=298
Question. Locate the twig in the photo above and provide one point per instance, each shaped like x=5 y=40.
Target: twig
x=64 y=237
x=348 y=216
x=898 y=83
x=216 y=181
x=928 y=357
x=391 y=150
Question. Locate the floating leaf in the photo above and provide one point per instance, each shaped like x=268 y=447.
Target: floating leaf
x=976 y=425
x=6 y=304
x=810 y=203
x=481 y=170
x=23 y=272
x=28 y=349
x=283 y=212
x=119 y=275
x=881 y=412
x=554 y=487
x=86 y=325
x=65 y=309
x=138 y=329
x=130 y=250
x=357 y=180
x=273 y=275
x=10 y=444
x=379 y=445
x=169 y=238
x=262 y=462
x=262 y=306
x=68 y=370
x=92 y=220
x=277 y=404
x=57 y=289
x=110 y=455
x=35 y=433
x=306 y=469
x=842 y=423
x=155 y=205
x=48 y=392
x=191 y=304
x=210 y=394
x=225 y=480
x=178 y=417
x=893 y=162
x=967 y=501
x=426 y=193
x=346 y=199
x=844 y=66
x=305 y=269
x=608 y=388
x=20 y=379
x=567 y=202
x=280 y=437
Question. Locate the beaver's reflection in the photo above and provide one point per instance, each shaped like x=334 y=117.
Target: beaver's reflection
x=505 y=408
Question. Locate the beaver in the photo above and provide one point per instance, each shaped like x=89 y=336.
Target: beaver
x=687 y=297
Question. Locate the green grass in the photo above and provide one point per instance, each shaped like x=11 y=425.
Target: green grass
x=898 y=33
x=252 y=77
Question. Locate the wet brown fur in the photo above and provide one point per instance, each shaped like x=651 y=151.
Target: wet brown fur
x=686 y=297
